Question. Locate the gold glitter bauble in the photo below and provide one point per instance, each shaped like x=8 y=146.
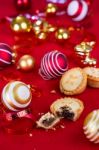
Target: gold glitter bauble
x=42 y=35
x=26 y=63
x=51 y=8
x=21 y=24
x=62 y=34
x=42 y=26
x=91 y=126
x=16 y=95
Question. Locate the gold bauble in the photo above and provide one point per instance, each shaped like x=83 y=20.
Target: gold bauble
x=26 y=63
x=62 y=34
x=91 y=126
x=42 y=36
x=51 y=8
x=42 y=26
x=21 y=24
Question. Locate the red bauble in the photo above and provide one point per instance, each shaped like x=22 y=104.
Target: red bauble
x=5 y=55
x=53 y=64
x=22 y=4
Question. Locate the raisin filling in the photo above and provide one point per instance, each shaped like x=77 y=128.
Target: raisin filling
x=48 y=121
x=14 y=116
x=65 y=112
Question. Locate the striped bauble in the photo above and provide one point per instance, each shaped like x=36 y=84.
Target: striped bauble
x=53 y=64
x=57 y=1
x=77 y=10
x=5 y=55
x=16 y=95
x=91 y=126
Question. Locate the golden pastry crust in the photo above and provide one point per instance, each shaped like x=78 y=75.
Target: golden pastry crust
x=67 y=107
x=73 y=82
x=92 y=76
x=47 y=121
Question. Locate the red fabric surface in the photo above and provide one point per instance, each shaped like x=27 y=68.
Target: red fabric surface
x=71 y=137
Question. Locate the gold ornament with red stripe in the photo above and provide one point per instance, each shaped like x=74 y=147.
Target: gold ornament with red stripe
x=26 y=63
x=91 y=126
x=7 y=56
x=77 y=10
x=21 y=24
x=83 y=51
x=16 y=96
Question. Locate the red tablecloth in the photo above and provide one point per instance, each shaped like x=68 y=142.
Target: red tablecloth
x=71 y=137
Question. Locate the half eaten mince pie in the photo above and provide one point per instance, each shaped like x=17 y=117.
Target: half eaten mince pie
x=47 y=121
x=70 y=108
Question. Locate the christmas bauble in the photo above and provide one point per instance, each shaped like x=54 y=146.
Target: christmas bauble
x=91 y=126
x=57 y=1
x=16 y=95
x=22 y=4
x=21 y=24
x=51 y=8
x=26 y=63
x=77 y=10
x=62 y=34
x=6 y=55
x=53 y=64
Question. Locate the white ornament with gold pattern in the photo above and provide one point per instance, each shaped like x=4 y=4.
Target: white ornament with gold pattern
x=91 y=126
x=16 y=95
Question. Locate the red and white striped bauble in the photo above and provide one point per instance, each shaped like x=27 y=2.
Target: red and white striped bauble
x=53 y=64
x=16 y=95
x=5 y=55
x=77 y=9
x=57 y=1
